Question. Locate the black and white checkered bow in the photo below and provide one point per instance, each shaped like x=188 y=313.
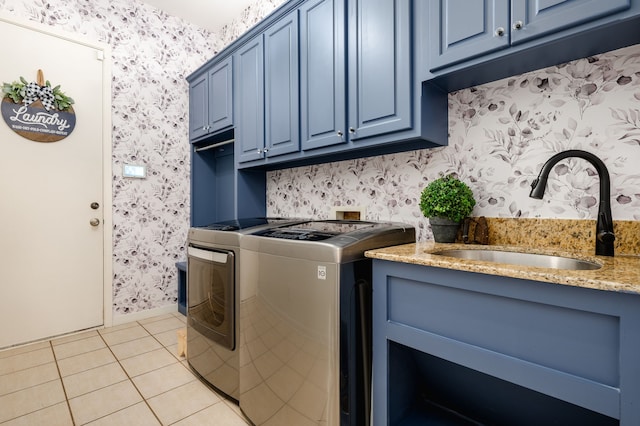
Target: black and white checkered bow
x=34 y=91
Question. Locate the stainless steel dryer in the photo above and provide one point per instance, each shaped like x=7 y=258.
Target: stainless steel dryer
x=305 y=352
x=213 y=268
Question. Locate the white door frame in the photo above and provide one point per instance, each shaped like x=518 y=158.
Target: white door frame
x=107 y=196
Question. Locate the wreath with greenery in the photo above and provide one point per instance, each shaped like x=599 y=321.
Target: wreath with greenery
x=17 y=92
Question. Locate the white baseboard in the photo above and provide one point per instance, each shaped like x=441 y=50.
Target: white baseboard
x=137 y=316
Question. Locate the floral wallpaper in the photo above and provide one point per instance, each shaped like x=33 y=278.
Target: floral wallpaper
x=249 y=17
x=500 y=135
x=152 y=53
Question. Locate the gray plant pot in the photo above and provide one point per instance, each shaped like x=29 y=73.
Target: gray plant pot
x=444 y=230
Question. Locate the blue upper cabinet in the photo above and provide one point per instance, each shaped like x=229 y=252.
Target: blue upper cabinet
x=267 y=93
x=249 y=96
x=380 y=68
x=535 y=18
x=493 y=39
x=361 y=82
x=375 y=96
x=323 y=93
x=463 y=29
x=198 y=107
x=282 y=130
x=221 y=96
x=211 y=101
x=328 y=80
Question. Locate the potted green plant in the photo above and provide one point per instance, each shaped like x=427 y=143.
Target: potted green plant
x=446 y=201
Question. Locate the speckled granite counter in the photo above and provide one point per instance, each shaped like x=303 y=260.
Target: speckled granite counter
x=619 y=273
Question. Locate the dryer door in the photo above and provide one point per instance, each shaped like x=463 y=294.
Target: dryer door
x=211 y=294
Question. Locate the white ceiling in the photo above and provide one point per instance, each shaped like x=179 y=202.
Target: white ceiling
x=209 y=14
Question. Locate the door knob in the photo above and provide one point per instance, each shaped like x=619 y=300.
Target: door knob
x=94 y=205
x=94 y=222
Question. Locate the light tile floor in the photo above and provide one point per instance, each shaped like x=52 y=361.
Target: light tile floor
x=125 y=375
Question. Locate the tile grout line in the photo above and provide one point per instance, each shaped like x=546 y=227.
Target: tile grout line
x=51 y=346
x=179 y=362
x=189 y=370
x=64 y=388
x=131 y=381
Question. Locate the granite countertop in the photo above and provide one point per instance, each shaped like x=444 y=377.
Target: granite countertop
x=620 y=273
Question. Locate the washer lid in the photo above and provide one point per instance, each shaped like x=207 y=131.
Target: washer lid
x=317 y=230
x=249 y=222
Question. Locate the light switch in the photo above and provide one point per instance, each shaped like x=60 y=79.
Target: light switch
x=134 y=171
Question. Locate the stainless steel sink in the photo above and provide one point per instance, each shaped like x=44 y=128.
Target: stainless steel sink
x=523 y=259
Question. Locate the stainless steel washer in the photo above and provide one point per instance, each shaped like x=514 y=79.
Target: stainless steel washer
x=213 y=269
x=305 y=351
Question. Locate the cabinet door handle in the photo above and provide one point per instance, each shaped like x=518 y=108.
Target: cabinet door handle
x=340 y=133
x=518 y=25
x=352 y=130
x=499 y=31
x=259 y=151
x=265 y=150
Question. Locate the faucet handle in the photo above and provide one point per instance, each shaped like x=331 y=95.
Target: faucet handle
x=607 y=237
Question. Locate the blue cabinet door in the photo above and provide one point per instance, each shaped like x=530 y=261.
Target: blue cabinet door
x=535 y=18
x=322 y=73
x=282 y=130
x=198 y=107
x=249 y=101
x=221 y=96
x=463 y=29
x=380 y=67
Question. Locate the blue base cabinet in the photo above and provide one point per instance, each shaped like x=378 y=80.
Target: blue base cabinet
x=455 y=346
x=182 y=287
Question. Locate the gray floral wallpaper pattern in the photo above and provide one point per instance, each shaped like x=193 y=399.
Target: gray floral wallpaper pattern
x=249 y=17
x=500 y=134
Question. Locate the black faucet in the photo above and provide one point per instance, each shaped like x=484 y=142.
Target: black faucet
x=604 y=225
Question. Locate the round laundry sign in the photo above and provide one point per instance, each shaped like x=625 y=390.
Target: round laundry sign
x=37 y=111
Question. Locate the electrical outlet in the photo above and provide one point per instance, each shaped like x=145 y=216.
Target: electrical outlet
x=347 y=213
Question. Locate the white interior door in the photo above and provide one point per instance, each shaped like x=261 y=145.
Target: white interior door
x=51 y=257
